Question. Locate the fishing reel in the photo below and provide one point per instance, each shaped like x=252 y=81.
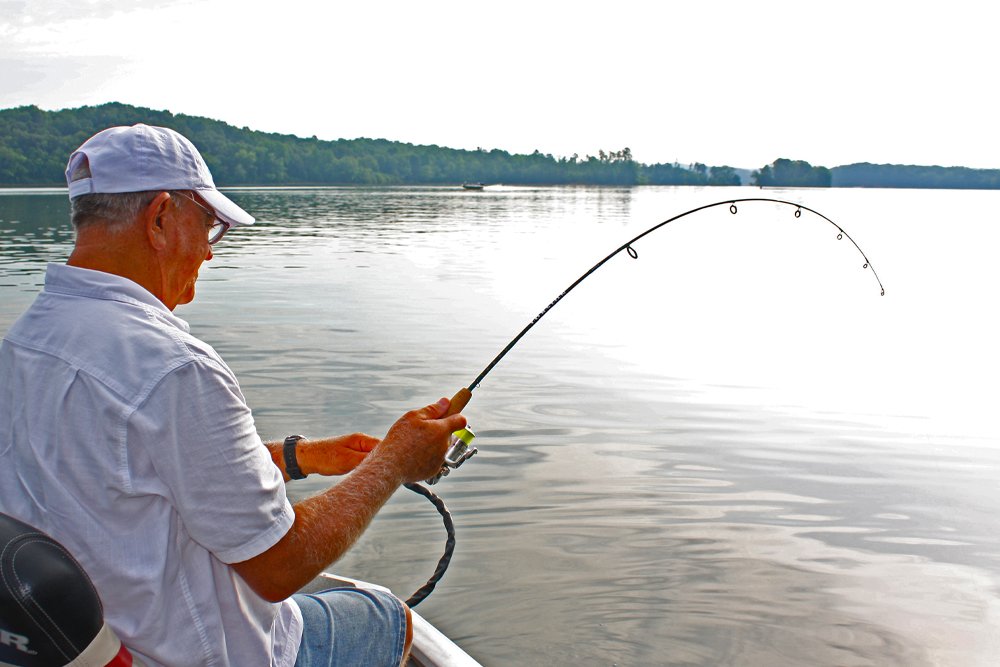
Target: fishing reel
x=460 y=451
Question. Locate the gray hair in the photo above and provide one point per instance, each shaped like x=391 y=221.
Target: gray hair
x=116 y=210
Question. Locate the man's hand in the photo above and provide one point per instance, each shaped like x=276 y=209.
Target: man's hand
x=416 y=444
x=414 y=448
x=334 y=456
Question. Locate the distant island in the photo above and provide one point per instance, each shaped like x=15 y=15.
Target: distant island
x=34 y=146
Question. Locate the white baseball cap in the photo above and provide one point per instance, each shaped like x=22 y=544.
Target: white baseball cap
x=142 y=158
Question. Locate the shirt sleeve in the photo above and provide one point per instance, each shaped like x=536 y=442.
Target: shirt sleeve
x=200 y=437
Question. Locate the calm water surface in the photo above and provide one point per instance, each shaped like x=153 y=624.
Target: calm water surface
x=731 y=451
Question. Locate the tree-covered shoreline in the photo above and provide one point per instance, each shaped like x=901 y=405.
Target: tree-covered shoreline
x=34 y=146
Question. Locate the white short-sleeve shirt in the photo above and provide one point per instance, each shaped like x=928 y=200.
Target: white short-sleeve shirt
x=129 y=441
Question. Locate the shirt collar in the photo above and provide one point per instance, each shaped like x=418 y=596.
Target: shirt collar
x=77 y=281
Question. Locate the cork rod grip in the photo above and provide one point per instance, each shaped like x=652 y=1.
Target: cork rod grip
x=459 y=401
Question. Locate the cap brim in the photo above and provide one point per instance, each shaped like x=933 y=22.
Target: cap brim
x=225 y=208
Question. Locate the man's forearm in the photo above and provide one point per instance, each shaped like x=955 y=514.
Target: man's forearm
x=328 y=524
x=325 y=527
x=326 y=456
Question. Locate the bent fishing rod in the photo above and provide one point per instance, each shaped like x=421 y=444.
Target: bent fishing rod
x=461 y=449
x=462 y=398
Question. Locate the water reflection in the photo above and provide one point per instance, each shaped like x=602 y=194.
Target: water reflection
x=384 y=220
x=658 y=482
x=34 y=230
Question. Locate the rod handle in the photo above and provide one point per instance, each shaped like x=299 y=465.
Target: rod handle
x=459 y=401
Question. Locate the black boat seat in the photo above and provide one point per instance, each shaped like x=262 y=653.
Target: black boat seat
x=50 y=613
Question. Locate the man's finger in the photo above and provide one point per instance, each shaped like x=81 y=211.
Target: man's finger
x=363 y=442
x=436 y=410
x=446 y=407
x=456 y=422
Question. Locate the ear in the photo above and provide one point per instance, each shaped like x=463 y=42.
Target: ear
x=153 y=219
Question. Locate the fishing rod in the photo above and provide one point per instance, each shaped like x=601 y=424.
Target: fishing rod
x=461 y=449
x=461 y=399
x=627 y=247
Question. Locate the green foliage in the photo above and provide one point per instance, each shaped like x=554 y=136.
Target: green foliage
x=909 y=176
x=792 y=173
x=723 y=176
x=35 y=144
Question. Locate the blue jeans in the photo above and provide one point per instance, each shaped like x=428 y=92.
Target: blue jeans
x=351 y=626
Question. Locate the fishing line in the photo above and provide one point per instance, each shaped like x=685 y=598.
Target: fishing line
x=460 y=450
x=449 y=545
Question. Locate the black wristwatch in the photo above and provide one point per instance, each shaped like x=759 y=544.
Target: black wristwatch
x=291 y=462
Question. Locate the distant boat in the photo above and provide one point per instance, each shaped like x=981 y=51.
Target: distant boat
x=473 y=186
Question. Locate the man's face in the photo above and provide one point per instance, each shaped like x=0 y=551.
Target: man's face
x=191 y=248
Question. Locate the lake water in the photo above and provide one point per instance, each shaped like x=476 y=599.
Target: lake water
x=730 y=451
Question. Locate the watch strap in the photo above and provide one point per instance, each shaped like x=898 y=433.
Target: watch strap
x=291 y=460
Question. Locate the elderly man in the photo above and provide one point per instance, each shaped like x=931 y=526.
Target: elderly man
x=129 y=441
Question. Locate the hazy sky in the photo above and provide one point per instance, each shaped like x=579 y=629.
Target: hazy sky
x=725 y=82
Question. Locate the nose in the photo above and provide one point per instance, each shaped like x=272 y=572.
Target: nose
x=209 y=255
